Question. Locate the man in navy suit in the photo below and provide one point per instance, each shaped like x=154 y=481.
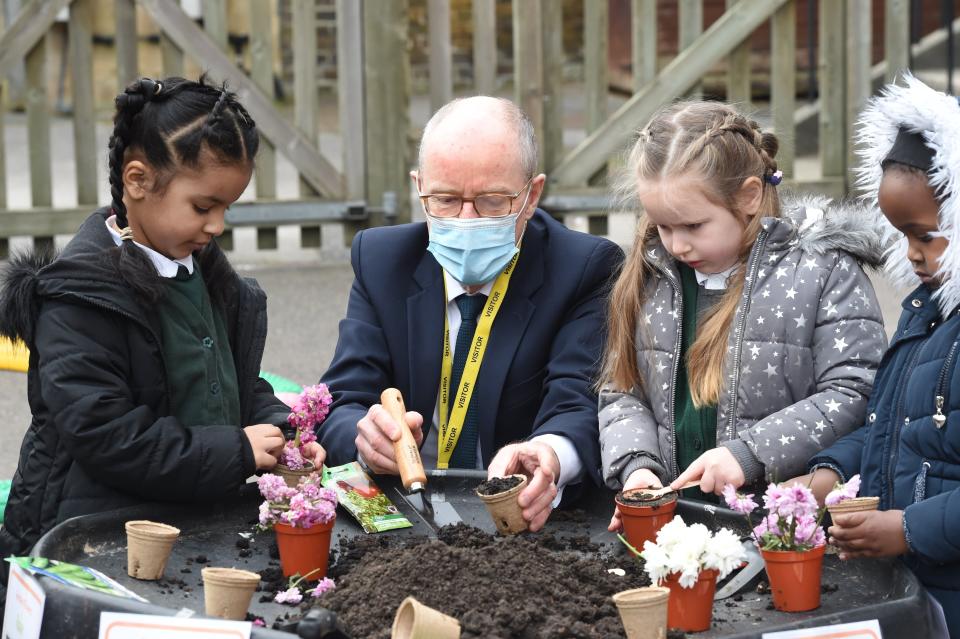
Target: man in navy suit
x=489 y=318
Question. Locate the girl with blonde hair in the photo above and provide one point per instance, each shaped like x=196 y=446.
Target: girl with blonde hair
x=743 y=335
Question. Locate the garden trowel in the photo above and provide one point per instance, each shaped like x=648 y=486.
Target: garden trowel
x=752 y=567
x=433 y=509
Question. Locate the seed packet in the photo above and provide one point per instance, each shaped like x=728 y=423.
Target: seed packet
x=363 y=499
x=74 y=575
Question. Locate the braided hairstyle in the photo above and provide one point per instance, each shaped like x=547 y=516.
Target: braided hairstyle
x=723 y=148
x=173 y=123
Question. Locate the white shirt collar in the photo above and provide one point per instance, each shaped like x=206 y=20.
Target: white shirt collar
x=164 y=265
x=714 y=281
x=455 y=289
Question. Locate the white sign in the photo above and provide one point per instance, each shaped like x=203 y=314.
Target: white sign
x=23 y=613
x=116 y=625
x=857 y=630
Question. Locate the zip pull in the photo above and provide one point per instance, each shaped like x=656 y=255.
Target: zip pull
x=939 y=419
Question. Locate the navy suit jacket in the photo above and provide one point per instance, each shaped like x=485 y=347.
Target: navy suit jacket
x=543 y=355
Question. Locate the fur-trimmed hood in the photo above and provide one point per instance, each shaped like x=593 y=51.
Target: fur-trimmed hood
x=936 y=116
x=86 y=270
x=817 y=224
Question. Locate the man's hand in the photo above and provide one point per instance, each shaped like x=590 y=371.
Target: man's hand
x=640 y=478
x=715 y=468
x=315 y=453
x=821 y=482
x=873 y=533
x=539 y=462
x=376 y=433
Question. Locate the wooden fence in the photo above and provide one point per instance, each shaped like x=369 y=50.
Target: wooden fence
x=373 y=89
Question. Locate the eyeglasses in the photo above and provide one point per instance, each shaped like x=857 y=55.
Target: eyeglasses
x=485 y=204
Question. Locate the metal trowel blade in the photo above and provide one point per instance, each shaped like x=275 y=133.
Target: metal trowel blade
x=432 y=508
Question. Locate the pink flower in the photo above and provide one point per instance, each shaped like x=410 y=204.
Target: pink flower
x=302 y=507
x=273 y=487
x=842 y=492
x=288 y=596
x=324 y=585
x=793 y=501
x=742 y=504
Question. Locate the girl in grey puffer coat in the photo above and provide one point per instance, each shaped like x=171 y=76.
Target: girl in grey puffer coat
x=790 y=367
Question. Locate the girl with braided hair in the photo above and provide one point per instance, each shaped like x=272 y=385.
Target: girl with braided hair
x=743 y=334
x=145 y=345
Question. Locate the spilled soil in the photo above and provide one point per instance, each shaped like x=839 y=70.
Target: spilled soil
x=525 y=587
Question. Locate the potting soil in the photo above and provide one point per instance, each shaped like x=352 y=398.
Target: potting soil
x=498 y=485
x=526 y=586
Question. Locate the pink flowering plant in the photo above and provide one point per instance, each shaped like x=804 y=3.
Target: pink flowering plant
x=308 y=412
x=792 y=520
x=294 y=592
x=302 y=507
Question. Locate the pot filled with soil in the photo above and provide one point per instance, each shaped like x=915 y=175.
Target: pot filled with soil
x=416 y=621
x=148 y=547
x=643 y=513
x=499 y=495
x=691 y=609
x=643 y=612
x=227 y=592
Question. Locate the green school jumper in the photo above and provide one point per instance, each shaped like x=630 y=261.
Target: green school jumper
x=196 y=351
x=696 y=429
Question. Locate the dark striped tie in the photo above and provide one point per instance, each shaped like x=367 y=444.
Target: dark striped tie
x=465 y=454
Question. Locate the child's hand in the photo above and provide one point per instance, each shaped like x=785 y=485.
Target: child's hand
x=715 y=468
x=640 y=478
x=267 y=442
x=315 y=453
x=874 y=533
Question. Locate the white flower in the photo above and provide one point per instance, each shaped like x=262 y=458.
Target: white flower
x=688 y=550
x=725 y=552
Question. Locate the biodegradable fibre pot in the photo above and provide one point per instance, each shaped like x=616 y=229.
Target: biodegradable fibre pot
x=291 y=476
x=794 y=578
x=416 y=621
x=691 y=609
x=643 y=612
x=304 y=551
x=642 y=518
x=505 y=510
x=855 y=505
x=227 y=592
x=148 y=546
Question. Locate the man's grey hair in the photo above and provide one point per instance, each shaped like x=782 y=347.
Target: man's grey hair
x=512 y=114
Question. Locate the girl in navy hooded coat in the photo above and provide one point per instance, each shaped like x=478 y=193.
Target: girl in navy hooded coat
x=908 y=451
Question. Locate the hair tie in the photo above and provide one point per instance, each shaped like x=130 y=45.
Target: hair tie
x=126 y=233
x=774 y=178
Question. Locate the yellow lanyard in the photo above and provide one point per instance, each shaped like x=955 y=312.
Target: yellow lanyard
x=450 y=430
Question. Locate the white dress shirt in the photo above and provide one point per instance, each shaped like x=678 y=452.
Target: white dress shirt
x=715 y=281
x=164 y=265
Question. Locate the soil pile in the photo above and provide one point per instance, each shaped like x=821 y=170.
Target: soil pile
x=525 y=587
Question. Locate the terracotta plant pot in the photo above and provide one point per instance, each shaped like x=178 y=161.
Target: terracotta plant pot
x=794 y=578
x=291 y=476
x=504 y=509
x=641 y=522
x=416 y=621
x=148 y=547
x=691 y=609
x=855 y=505
x=643 y=612
x=227 y=592
x=304 y=550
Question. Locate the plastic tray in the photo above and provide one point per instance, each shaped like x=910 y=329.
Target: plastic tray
x=883 y=590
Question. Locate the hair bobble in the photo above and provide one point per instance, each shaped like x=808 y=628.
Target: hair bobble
x=774 y=178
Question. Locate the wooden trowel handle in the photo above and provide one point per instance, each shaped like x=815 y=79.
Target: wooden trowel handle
x=405 y=449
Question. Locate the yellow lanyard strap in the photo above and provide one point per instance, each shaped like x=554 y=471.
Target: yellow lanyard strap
x=450 y=430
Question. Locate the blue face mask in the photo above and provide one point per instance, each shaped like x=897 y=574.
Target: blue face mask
x=473 y=251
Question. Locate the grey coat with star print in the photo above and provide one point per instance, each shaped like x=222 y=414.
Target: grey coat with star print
x=804 y=346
